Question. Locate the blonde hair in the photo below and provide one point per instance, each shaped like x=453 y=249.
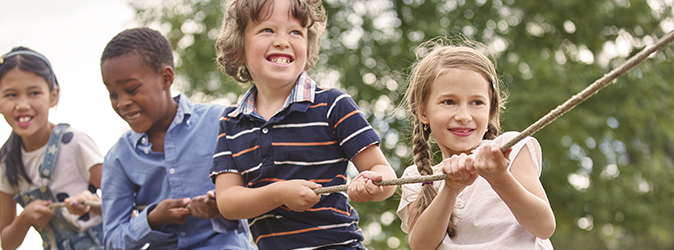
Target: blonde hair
x=424 y=72
x=230 y=41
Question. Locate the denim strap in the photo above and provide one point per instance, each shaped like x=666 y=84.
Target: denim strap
x=47 y=167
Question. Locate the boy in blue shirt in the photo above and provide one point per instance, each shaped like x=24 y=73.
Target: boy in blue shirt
x=163 y=161
x=289 y=136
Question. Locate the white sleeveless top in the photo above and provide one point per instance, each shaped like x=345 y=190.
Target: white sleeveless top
x=483 y=220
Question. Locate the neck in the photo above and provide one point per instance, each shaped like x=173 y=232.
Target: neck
x=159 y=129
x=269 y=100
x=38 y=139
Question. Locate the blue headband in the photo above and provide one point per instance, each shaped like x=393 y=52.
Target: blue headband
x=28 y=52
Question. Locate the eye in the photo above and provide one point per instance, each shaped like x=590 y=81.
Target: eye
x=266 y=30
x=132 y=90
x=478 y=102
x=34 y=93
x=113 y=96
x=296 y=32
x=9 y=95
x=448 y=102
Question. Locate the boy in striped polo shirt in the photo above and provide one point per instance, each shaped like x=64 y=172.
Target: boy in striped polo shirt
x=289 y=136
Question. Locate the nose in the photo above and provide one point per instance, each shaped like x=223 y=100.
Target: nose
x=122 y=102
x=463 y=114
x=281 y=41
x=22 y=105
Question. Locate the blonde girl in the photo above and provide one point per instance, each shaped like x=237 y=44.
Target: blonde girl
x=493 y=200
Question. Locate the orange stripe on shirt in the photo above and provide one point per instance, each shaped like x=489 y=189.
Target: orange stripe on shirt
x=303 y=143
x=319 y=105
x=348 y=213
x=246 y=151
x=346 y=116
x=221 y=135
x=287 y=233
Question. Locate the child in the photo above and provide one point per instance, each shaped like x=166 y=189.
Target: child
x=289 y=136
x=43 y=163
x=162 y=163
x=494 y=202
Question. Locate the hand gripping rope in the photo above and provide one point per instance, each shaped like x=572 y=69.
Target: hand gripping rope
x=583 y=95
x=602 y=82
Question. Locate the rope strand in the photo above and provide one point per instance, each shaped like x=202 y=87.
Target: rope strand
x=586 y=93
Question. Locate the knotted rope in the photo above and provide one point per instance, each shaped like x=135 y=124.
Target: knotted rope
x=583 y=95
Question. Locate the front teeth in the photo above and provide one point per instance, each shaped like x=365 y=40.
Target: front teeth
x=24 y=119
x=280 y=60
x=134 y=116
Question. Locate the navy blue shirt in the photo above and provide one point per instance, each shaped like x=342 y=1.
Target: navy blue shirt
x=312 y=138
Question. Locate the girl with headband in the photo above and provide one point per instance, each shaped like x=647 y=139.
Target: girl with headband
x=42 y=163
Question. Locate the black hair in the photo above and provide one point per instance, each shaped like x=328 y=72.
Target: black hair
x=151 y=45
x=28 y=60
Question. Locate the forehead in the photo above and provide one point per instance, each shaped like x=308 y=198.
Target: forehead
x=20 y=78
x=125 y=66
x=460 y=82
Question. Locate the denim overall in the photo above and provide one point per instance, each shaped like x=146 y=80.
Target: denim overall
x=59 y=234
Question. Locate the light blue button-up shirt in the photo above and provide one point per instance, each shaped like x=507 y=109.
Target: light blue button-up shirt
x=134 y=175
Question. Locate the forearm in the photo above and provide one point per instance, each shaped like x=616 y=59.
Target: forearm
x=531 y=211
x=238 y=202
x=130 y=233
x=431 y=227
x=14 y=233
x=388 y=174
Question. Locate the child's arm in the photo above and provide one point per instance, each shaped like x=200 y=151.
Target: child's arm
x=14 y=228
x=373 y=167
x=74 y=204
x=235 y=201
x=519 y=188
x=431 y=227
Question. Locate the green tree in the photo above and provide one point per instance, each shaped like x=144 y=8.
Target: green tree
x=608 y=164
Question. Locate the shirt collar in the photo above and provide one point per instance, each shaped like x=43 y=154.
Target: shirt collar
x=185 y=109
x=304 y=91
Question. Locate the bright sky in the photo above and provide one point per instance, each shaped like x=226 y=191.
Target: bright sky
x=72 y=35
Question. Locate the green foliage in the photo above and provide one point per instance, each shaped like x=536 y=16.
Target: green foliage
x=608 y=164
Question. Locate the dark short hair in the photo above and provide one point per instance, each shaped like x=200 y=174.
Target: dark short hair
x=150 y=44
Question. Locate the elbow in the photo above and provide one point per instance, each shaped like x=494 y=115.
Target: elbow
x=547 y=230
x=229 y=212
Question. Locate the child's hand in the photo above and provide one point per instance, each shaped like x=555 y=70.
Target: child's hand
x=298 y=195
x=461 y=171
x=38 y=212
x=491 y=163
x=362 y=187
x=75 y=204
x=169 y=211
x=204 y=206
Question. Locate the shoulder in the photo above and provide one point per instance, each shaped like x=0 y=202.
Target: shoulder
x=411 y=171
x=528 y=143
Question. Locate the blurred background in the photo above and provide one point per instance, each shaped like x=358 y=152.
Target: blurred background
x=608 y=165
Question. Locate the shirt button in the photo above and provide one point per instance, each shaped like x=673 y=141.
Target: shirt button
x=182 y=233
x=172 y=171
x=265 y=130
x=147 y=151
x=142 y=140
x=459 y=204
x=188 y=122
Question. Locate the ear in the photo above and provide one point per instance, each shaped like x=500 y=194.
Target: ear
x=423 y=117
x=167 y=76
x=54 y=96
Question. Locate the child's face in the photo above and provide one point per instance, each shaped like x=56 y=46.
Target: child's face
x=457 y=110
x=275 y=49
x=136 y=91
x=25 y=101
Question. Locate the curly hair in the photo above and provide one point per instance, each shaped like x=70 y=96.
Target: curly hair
x=153 y=47
x=424 y=72
x=230 y=41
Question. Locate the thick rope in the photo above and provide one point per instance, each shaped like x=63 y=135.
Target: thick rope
x=545 y=120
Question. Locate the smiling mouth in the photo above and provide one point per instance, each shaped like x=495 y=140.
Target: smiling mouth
x=280 y=60
x=24 y=119
x=132 y=117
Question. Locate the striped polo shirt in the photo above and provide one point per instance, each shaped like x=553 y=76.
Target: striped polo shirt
x=312 y=138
